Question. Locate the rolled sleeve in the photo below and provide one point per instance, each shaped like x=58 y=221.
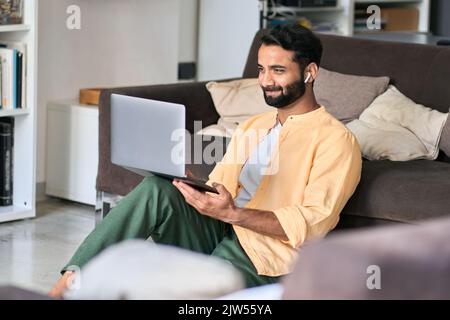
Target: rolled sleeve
x=334 y=176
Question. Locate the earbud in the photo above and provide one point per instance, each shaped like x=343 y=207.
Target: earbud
x=307 y=77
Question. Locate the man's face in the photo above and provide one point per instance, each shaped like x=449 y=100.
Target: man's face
x=279 y=76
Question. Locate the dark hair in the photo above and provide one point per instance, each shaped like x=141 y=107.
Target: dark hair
x=303 y=42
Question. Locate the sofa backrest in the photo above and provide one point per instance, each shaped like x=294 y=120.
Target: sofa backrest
x=421 y=72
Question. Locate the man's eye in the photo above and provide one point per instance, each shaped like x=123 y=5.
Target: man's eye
x=279 y=70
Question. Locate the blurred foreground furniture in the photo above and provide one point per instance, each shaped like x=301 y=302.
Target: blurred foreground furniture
x=392 y=262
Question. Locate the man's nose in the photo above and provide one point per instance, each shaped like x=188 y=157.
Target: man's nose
x=266 y=79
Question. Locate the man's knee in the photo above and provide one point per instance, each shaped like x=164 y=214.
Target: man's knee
x=153 y=184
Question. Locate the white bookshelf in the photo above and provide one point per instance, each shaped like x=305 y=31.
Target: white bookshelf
x=14 y=27
x=24 y=157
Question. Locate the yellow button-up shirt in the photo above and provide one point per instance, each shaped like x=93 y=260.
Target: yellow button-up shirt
x=313 y=172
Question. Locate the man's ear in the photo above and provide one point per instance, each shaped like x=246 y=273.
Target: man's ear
x=312 y=68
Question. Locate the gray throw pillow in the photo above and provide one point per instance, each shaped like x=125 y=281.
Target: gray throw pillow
x=444 y=143
x=346 y=96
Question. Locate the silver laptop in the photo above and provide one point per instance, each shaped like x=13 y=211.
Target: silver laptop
x=148 y=137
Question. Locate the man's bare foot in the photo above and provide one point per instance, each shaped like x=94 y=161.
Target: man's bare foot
x=62 y=284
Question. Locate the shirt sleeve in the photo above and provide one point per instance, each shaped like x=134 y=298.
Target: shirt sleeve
x=334 y=175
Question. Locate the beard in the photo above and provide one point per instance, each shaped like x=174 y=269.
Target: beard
x=288 y=95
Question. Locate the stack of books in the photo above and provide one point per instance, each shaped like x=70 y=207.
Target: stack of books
x=6 y=160
x=12 y=75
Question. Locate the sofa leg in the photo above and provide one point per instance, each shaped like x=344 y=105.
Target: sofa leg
x=105 y=202
x=99 y=207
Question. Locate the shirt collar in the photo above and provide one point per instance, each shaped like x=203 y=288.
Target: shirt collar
x=298 y=117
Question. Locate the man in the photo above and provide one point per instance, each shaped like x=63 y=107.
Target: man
x=261 y=216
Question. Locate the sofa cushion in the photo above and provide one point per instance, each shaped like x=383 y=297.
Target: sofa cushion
x=401 y=191
x=236 y=101
x=444 y=143
x=399 y=262
x=396 y=128
x=346 y=96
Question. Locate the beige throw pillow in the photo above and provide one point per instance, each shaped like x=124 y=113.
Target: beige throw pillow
x=235 y=102
x=346 y=96
x=396 y=128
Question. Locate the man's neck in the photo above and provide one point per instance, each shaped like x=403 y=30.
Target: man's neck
x=305 y=104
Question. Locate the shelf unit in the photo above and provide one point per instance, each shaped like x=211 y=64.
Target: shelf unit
x=24 y=156
x=422 y=6
x=333 y=19
x=342 y=16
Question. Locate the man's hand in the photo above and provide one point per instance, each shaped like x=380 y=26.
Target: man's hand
x=220 y=207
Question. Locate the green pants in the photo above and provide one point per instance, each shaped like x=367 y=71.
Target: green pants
x=156 y=209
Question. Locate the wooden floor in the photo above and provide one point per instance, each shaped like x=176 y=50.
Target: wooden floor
x=33 y=251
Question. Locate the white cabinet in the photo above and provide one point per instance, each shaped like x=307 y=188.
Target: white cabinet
x=72 y=151
x=24 y=156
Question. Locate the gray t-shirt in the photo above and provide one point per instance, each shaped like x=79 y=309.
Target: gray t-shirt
x=256 y=165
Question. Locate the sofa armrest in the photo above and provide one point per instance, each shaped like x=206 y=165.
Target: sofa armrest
x=199 y=106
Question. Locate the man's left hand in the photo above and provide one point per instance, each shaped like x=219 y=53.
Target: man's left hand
x=220 y=206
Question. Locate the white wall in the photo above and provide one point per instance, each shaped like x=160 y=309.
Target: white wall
x=226 y=30
x=188 y=29
x=128 y=42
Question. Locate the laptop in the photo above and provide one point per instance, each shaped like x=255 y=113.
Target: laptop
x=148 y=137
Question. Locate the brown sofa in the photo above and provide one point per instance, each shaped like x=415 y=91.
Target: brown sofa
x=389 y=192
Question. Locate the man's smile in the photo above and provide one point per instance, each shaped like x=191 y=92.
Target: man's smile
x=273 y=92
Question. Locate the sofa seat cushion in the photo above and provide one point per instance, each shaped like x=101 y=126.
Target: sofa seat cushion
x=402 y=191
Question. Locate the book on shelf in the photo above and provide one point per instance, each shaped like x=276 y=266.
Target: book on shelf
x=6 y=160
x=13 y=75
